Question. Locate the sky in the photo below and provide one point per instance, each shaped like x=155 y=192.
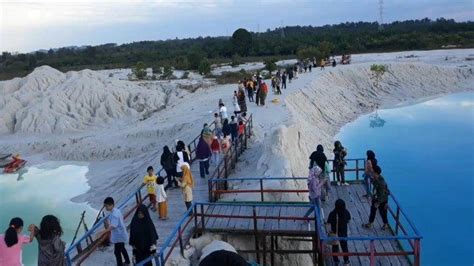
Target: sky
x=29 y=25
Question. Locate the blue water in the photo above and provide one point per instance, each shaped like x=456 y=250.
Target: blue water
x=40 y=190
x=426 y=152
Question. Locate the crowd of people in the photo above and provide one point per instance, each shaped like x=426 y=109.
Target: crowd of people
x=319 y=189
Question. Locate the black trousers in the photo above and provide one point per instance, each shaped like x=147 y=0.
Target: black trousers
x=340 y=175
x=170 y=173
x=188 y=205
x=382 y=209
x=335 y=248
x=142 y=255
x=119 y=251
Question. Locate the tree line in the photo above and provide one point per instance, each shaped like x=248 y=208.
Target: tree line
x=300 y=41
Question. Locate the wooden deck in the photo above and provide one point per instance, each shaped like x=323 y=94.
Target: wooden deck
x=359 y=208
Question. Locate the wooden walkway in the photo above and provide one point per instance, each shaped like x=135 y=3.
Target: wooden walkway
x=176 y=209
x=359 y=208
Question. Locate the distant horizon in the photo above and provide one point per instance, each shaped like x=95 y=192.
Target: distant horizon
x=30 y=25
x=215 y=36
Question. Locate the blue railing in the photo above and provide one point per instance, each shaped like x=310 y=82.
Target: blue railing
x=175 y=237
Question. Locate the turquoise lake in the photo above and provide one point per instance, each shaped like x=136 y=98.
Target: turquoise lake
x=45 y=189
x=426 y=152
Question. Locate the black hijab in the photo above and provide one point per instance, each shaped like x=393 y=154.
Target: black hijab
x=142 y=230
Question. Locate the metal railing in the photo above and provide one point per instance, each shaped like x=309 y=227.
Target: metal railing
x=220 y=185
x=77 y=253
x=401 y=227
x=185 y=229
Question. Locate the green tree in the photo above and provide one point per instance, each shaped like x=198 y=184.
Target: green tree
x=236 y=60
x=194 y=58
x=241 y=42
x=308 y=52
x=32 y=62
x=139 y=70
x=181 y=62
x=376 y=75
x=270 y=64
x=325 y=48
x=167 y=72
x=204 y=67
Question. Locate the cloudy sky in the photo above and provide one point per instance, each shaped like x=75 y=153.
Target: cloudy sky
x=27 y=25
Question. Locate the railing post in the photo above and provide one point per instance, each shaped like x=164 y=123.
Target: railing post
x=254 y=211
x=195 y=217
x=372 y=253
x=202 y=219
x=209 y=188
x=357 y=169
x=180 y=241
x=417 y=252
x=261 y=190
x=397 y=220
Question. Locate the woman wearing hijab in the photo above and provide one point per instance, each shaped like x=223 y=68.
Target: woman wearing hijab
x=338 y=220
x=226 y=127
x=319 y=158
x=143 y=235
x=169 y=164
x=187 y=184
x=369 y=171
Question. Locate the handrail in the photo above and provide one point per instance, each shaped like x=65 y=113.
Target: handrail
x=136 y=193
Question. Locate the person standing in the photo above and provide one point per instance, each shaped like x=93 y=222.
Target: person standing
x=181 y=156
x=283 y=80
x=217 y=125
x=290 y=75
x=322 y=64
x=241 y=100
x=50 y=246
x=263 y=93
x=11 y=243
x=319 y=158
x=369 y=171
x=257 y=93
x=215 y=149
x=143 y=235
x=379 y=198
x=340 y=163
x=314 y=188
x=203 y=153
x=169 y=165
x=187 y=184
x=277 y=84
x=222 y=111
x=149 y=180
x=249 y=87
x=161 y=198
x=338 y=220
x=234 y=128
x=118 y=232
x=226 y=128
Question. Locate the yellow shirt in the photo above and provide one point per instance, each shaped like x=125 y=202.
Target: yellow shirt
x=150 y=182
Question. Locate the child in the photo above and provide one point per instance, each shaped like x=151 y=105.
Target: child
x=118 y=232
x=12 y=242
x=150 y=181
x=215 y=149
x=51 y=247
x=241 y=128
x=161 y=198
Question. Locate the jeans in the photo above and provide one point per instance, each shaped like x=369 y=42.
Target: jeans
x=218 y=132
x=315 y=202
x=119 y=250
x=326 y=187
x=335 y=249
x=367 y=181
x=215 y=158
x=204 y=167
x=382 y=209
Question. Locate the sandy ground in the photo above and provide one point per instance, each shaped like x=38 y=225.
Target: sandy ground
x=311 y=111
